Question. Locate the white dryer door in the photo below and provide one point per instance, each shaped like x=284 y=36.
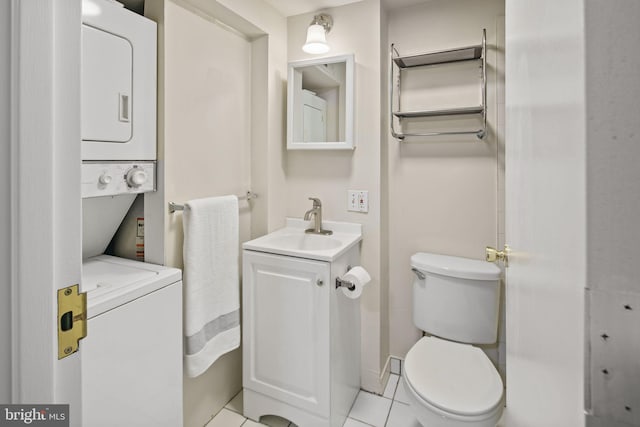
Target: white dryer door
x=106 y=86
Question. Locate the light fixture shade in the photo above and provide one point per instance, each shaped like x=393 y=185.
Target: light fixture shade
x=316 y=40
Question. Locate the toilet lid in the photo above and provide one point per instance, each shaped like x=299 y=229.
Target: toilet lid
x=457 y=378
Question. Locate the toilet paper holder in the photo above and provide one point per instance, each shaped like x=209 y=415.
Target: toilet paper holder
x=345 y=283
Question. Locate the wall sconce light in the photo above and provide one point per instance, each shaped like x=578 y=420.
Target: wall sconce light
x=317 y=34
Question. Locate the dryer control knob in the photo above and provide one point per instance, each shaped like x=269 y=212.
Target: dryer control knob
x=136 y=177
x=105 y=179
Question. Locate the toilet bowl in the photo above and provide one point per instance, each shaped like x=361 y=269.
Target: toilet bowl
x=451 y=384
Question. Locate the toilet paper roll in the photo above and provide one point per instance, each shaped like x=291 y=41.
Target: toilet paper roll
x=359 y=277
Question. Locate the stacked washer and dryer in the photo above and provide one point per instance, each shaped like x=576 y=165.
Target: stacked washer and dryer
x=132 y=355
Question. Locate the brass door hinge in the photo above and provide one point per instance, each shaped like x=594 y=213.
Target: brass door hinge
x=72 y=320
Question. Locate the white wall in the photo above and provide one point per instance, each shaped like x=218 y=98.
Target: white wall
x=207 y=153
x=444 y=193
x=207 y=147
x=5 y=195
x=329 y=174
x=220 y=109
x=268 y=128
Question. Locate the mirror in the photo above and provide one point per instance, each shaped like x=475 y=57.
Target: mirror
x=320 y=104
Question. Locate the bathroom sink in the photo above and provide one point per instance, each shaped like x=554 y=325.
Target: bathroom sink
x=292 y=240
x=305 y=242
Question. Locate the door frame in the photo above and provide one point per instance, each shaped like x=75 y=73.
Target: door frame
x=45 y=197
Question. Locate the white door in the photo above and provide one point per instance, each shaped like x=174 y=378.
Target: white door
x=314 y=117
x=286 y=329
x=5 y=194
x=545 y=213
x=45 y=196
x=314 y=124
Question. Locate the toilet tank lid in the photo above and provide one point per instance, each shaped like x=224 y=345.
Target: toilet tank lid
x=463 y=268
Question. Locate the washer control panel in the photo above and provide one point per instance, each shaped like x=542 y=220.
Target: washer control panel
x=113 y=178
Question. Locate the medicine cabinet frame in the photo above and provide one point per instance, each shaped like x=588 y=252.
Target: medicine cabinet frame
x=346 y=117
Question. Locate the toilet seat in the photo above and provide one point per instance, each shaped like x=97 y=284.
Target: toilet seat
x=456 y=378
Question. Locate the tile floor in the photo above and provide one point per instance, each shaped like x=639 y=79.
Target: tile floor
x=369 y=410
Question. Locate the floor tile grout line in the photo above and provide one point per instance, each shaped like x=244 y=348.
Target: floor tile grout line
x=395 y=390
x=378 y=395
x=392 y=399
x=353 y=404
x=361 y=422
x=393 y=396
x=233 y=410
x=386 y=420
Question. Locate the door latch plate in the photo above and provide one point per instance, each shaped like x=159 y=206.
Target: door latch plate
x=72 y=319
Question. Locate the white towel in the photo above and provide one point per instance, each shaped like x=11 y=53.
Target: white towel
x=211 y=283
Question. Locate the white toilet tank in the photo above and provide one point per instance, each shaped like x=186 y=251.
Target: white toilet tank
x=458 y=299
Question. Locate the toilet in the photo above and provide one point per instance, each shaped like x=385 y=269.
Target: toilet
x=450 y=382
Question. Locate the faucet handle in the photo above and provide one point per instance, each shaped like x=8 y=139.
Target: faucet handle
x=316 y=202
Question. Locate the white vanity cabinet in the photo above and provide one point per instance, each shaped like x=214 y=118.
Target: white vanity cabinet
x=301 y=338
x=287 y=334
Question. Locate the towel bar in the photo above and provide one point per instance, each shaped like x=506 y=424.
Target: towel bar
x=177 y=207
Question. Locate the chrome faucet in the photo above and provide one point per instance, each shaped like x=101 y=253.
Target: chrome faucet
x=316 y=212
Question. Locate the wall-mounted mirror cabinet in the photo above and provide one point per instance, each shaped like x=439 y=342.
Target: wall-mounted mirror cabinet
x=320 y=104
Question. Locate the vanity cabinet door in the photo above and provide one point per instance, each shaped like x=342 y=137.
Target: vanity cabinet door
x=286 y=329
